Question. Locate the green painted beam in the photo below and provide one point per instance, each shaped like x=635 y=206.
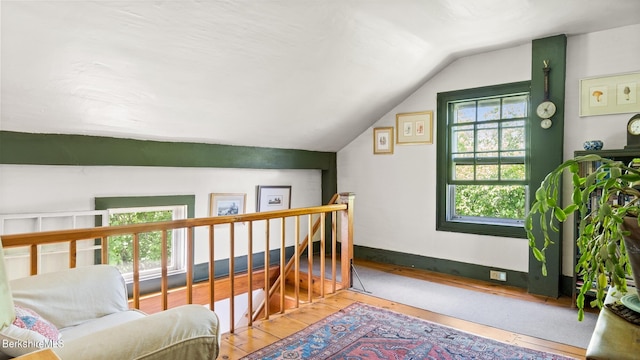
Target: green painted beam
x=60 y=149
x=81 y=150
x=547 y=149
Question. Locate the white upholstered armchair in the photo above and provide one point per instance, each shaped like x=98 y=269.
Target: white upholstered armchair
x=83 y=313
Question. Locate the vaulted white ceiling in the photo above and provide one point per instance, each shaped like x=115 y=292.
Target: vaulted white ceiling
x=297 y=74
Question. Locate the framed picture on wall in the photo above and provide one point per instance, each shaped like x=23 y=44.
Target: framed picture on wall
x=414 y=128
x=227 y=204
x=616 y=94
x=383 y=140
x=271 y=198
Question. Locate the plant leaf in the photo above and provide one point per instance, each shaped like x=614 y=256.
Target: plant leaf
x=560 y=214
x=538 y=254
x=570 y=209
x=540 y=194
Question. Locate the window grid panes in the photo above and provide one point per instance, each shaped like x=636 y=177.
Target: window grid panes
x=488 y=140
x=488 y=174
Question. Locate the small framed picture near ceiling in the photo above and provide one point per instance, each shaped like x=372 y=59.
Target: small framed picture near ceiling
x=616 y=94
x=272 y=198
x=383 y=140
x=227 y=204
x=414 y=128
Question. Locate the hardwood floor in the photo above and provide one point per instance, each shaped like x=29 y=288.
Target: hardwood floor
x=246 y=340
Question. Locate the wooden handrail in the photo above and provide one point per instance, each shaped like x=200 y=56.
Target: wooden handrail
x=343 y=207
x=48 y=237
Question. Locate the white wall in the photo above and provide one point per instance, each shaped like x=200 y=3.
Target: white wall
x=395 y=205
x=27 y=188
x=602 y=53
x=395 y=194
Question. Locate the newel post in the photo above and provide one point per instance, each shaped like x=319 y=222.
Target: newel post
x=346 y=239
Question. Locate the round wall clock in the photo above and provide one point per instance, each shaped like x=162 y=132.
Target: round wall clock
x=546 y=109
x=633 y=132
x=546 y=123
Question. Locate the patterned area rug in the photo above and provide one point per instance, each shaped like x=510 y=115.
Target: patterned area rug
x=361 y=331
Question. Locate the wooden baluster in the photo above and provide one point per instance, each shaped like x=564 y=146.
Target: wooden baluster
x=309 y=260
x=334 y=247
x=250 y=273
x=322 y=253
x=190 y=259
x=33 y=251
x=136 y=271
x=282 y=264
x=104 y=251
x=232 y=270
x=212 y=266
x=164 y=263
x=73 y=255
x=267 y=286
x=296 y=262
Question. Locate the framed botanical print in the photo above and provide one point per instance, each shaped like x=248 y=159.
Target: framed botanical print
x=383 y=140
x=615 y=94
x=414 y=128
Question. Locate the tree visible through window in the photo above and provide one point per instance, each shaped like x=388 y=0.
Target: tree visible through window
x=150 y=243
x=485 y=154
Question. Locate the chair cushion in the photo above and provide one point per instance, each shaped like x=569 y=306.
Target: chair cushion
x=71 y=297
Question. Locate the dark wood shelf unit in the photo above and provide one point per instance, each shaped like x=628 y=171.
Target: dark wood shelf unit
x=624 y=155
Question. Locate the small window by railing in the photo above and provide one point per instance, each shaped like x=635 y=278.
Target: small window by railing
x=121 y=247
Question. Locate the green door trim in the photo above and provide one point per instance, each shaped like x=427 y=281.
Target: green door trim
x=547 y=146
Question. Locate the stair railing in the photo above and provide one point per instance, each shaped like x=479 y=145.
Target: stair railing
x=341 y=208
x=294 y=264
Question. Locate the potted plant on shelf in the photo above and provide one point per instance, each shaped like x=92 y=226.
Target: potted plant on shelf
x=606 y=204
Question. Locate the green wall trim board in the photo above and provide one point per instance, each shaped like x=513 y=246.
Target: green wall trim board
x=472 y=271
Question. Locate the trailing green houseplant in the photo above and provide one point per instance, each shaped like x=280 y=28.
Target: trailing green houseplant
x=600 y=200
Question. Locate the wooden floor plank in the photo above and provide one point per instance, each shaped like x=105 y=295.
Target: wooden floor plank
x=310 y=313
x=246 y=340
